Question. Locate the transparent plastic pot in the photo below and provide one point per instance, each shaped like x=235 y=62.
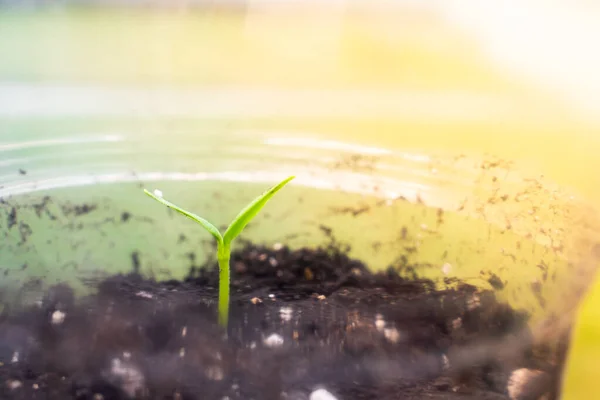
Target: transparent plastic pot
x=73 y=209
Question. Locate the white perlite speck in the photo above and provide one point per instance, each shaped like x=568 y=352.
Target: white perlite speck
x=379 y=322
x=158 y=193
x=445 y=362
x=321 y=394
x=214 y=373
x=285 y=313
x=457 y=323
x=474 y=302
x=446 y=268
x=132 y=380
x=58 y=317
x=392 y=334
x=14 y=384
x=273 y=341
x=519 y=380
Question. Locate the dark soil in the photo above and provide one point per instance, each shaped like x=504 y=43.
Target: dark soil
x=300 y=321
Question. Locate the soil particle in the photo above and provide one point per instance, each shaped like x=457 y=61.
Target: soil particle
x=340 y=332
x=125 y=216
x=496 y=282
x=78 y=210
x=135 y=261
x=25 y=232
x=11 y=219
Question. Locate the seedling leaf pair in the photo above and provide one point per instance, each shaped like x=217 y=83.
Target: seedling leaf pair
x=224 y=241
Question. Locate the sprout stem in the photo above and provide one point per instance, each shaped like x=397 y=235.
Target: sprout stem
x=223 y=258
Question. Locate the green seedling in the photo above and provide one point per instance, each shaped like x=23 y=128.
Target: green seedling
x=224 y=241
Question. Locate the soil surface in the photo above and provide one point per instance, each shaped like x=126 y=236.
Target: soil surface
x=306 y=324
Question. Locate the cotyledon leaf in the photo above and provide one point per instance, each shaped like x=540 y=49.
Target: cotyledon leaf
x=250 y=211
x=207 y=225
